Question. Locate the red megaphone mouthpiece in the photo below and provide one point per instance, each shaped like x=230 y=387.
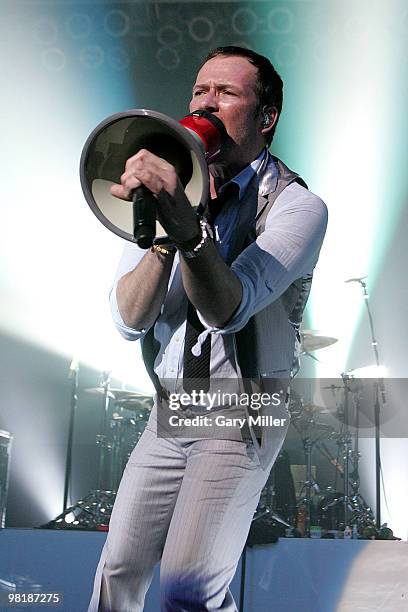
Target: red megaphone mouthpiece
x=208 y=130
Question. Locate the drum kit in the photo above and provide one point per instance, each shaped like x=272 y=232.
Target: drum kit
x=125 y=415
x=327 y=510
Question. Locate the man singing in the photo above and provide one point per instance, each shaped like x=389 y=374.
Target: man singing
x=223 y=302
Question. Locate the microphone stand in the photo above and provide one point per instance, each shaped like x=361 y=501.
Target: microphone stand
x=73 y=375
x=379 y=387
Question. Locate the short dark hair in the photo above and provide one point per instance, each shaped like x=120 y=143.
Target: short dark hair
x=269 y=84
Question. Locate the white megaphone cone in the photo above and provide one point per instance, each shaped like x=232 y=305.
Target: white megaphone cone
x=189 y=145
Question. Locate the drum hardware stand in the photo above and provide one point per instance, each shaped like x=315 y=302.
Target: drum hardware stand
x=355 y=508
x=310 y=483
x=73 y=375
x=91 y=512
x=308 y=354
x=380 y=400
x=94 y=510
x=99 y=502
x=267 y=511
x=266 y=507
x=346 y=440
x=361 y=513
x=359 y=507
x=324 y=451
x=101 y=439
x=117 y=424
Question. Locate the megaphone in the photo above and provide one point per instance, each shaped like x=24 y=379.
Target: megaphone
x=189 y=145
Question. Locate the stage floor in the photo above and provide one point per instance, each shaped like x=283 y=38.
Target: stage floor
x=293 y=575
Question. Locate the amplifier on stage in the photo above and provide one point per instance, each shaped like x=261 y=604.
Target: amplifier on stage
x=5 y=456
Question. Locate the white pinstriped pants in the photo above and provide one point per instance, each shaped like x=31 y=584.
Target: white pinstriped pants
x=190 y=504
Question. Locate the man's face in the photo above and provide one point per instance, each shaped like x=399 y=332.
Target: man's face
x=226 y=87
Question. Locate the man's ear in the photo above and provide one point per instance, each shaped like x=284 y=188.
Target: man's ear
x=269 y=118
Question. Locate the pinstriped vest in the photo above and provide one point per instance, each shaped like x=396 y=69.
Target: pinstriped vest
x=264 y=349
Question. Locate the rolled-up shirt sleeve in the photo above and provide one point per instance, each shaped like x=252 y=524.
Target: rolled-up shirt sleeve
x=131 y=256
x=286 y=250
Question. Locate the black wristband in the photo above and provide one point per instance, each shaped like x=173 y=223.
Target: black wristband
x=189 y=245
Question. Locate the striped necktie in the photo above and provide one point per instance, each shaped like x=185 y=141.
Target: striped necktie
x=196 y=370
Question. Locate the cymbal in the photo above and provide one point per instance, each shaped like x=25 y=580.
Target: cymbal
x=313 y=340
x=315 y=408
x=334 y=387
x=135 y=403
x=119 y=394
x=370 y=371
x=99 y=391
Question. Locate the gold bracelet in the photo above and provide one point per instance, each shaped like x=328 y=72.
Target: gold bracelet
x=156 y=248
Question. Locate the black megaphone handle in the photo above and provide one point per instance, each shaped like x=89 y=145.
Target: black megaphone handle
x=144 y=217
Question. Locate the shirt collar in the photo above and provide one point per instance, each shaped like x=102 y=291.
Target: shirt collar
x=244 y=177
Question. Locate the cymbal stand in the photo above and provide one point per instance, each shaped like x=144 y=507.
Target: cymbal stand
x=379 y=400
x=362 y=513
x=309 y=484
x=355 y=509
x=73 y=375
x=355 y=457
x=118 y=425
x=346 y=439
x=92 y=511
x=359 y=512
x=101 y=439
